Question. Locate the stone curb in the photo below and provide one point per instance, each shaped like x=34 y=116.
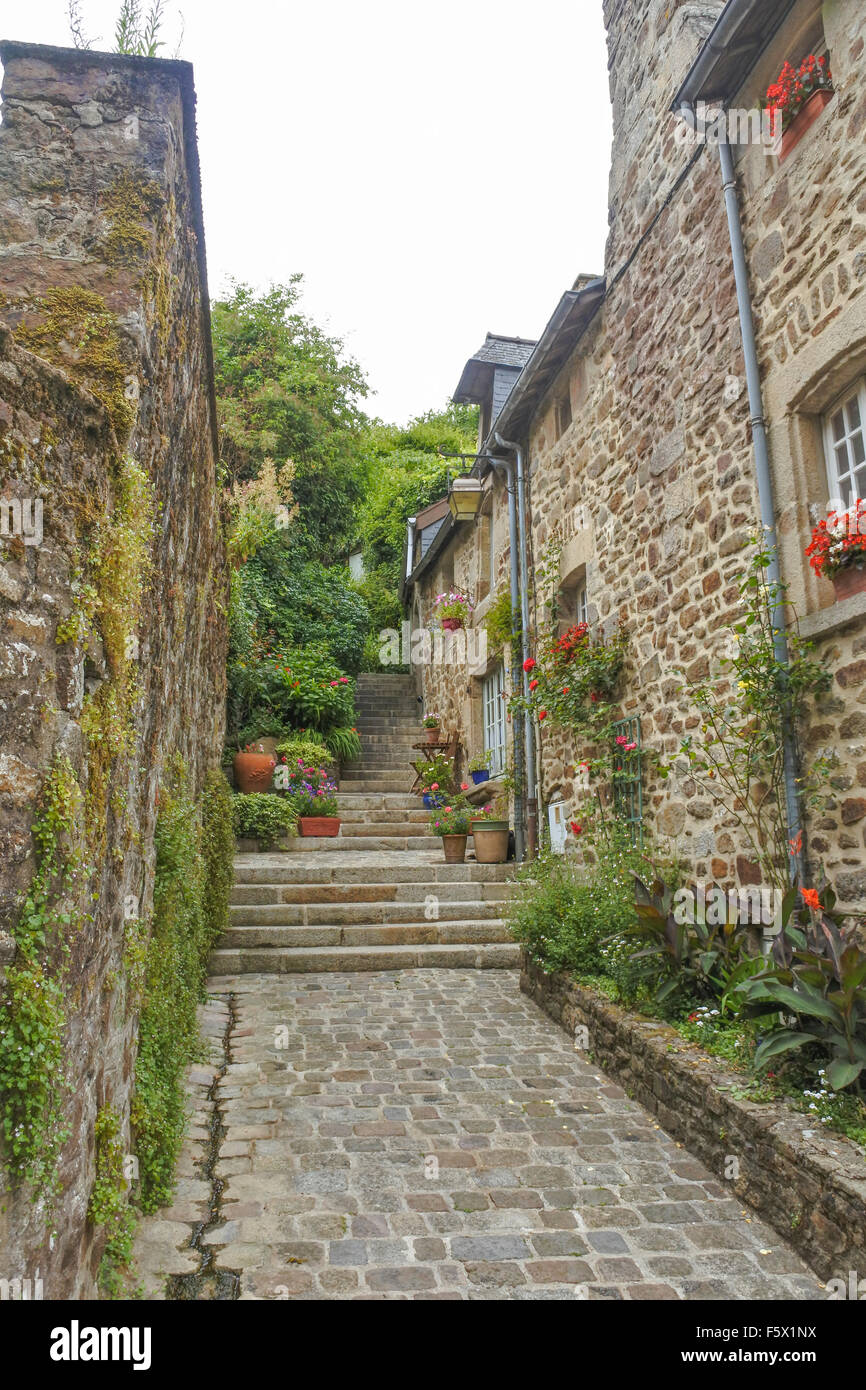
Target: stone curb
x=812 y=1190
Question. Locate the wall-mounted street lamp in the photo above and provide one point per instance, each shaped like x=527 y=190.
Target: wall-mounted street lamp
x=464 y=498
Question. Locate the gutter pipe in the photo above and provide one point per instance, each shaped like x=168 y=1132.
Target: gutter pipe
x=764 y=479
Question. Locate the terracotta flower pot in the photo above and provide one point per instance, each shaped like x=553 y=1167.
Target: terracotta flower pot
x=452 y=624
x=804 y=120
x=324 y=826
x=254 y=772
x=455 y=848
x=849 y=581
x=491 y=841
x=432 y=735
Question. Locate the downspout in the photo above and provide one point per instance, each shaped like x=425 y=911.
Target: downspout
x=528 y=732
x=410 y=545
x=519 y=721
x=763 y=477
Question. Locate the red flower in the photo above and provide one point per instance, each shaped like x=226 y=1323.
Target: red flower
x=810 y=898
x=533 y=685
x=529 y=664
x=542 y=714
x=576 y=829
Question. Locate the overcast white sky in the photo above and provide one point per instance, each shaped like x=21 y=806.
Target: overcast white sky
x=435 y=170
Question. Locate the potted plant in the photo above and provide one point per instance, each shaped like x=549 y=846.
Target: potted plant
x=798 y=97
x=451 y=824
x=479 y=768
x=313 y=795
x=452 y=610
x=254 y=769
x=838 y=550
x=437 y=780
x=431 y=725
x=490 y=836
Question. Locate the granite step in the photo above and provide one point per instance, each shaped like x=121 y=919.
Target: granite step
x=305 y=960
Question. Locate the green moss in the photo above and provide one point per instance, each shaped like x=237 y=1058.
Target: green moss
x=78 y=332
x=128 y=203
x=33 y=1010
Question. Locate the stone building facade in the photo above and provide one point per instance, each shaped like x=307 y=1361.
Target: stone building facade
x=635 y=421
x=110 y=665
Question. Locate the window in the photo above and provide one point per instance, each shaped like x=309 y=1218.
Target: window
x=845 y=447
x=493 y=691
x=563 y=415
x=581 y=604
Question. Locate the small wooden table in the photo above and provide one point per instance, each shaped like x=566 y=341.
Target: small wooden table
x=449 y=748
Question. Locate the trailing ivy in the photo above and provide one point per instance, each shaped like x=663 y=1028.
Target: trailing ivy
x=32 y=1011
x=190 y=906
x=108 y=1206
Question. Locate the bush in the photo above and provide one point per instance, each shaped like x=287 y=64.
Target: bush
x=309 y=748
x=345 y=744
x=263 y=817
x=290 y=689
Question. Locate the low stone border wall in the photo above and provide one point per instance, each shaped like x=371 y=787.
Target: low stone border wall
x=812 y=1190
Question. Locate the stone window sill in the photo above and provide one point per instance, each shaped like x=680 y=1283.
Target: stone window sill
x=832 y=619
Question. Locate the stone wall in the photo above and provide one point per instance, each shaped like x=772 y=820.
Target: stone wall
x=809 y=1185
x=106 y=667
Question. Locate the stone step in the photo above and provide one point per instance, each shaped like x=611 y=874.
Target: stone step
x=365 y=934
x=357 y=815
x=379 y=801
x=304 y=960
x=277 y=868
x=394 y=828
x=356 y=914
x=258 y=894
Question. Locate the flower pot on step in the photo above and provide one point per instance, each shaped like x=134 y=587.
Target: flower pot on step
x=849 y=581
x=432 y=735
x=452 y=624
x=254 y=772
x=483 y=776
x=804 y=120
x=455 y=848
x=323 y=826
x=491 y=841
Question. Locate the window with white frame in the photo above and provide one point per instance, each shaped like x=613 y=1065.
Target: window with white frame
x=582 y=603
x=493 y=692
x=845 y=446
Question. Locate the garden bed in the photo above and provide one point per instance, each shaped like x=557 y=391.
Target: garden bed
x=810 y=1186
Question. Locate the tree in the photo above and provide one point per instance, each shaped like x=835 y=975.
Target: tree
x=286 y=390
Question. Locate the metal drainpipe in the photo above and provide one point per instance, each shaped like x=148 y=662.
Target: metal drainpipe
x=529 y=737
x=508 y=469
x=762 y=472
x=410 y=545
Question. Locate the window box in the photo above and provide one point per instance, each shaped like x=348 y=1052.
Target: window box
x=803 y=121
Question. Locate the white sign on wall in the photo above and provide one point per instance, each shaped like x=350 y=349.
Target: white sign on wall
x=558 y=822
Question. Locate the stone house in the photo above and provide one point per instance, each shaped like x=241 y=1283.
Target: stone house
x=641 y=419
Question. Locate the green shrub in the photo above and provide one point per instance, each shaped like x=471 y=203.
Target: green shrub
x=290 y=688
x=309 y=748
x=345 y=744
x=190 y=906
x=263 y=817
x=302 y=603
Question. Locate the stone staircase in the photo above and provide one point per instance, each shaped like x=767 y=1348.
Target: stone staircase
x=380 y=896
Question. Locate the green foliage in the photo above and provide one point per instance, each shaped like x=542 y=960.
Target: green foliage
x=344 y=744
x=574 y=916
x=308 y=748
x=263 y=817
x=452 y=819
x=297 y=689
x=698 y=957
x=217 y=852
x=285 y=390
x=502 y=624
x=137 y=33
x=191 y=847
x=109 y=1206
x=32 y=1012
x=299 y=603
x=438 y=772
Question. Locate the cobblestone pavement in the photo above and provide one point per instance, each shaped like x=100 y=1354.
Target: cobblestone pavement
x=432 y=1134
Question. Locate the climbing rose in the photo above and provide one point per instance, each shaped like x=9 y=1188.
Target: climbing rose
x=464 y=786
x=529 y=664
x=434 y=786
x=576 y=829
x=542 y=714
x=533 y=685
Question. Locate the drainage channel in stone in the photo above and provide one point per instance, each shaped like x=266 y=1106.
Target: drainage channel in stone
x=209 y=1283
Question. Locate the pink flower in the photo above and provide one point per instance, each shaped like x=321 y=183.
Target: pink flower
x=434 y=786
x=464 y=786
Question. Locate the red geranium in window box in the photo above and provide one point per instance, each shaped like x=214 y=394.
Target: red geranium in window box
x=838 y=550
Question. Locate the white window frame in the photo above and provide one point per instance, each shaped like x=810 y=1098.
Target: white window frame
x=841 y=483
x=493 y=707
x=581 y=603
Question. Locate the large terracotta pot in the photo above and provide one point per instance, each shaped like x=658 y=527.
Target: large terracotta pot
x=455 y=848
x=491 y=841
x=254 y=772
x=324 y=826
x=804 y=120
x=849 y=581
x=432 y=735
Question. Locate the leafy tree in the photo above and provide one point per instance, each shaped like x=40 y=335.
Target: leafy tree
x=286 y=390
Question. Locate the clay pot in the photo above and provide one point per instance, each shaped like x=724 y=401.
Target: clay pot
x=324 y=826
x=455 y=848
x=432 y=735
x=452 y=624
x=804 y=120
x=849 y=581
x=254 y=772
x=491 y=841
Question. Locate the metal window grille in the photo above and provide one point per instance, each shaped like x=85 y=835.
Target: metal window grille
x=626 y=778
